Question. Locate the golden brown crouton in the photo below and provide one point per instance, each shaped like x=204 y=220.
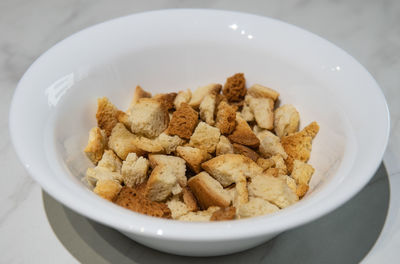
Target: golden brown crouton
x=149 y=118
x=301 y=190
x=135 y=199
x=138 y=94
x=243 y=134
x=235 y=88
x=107 y=115
x=226 y=118
x=258 y=91
x=201 y=92
x=208 y=191
x=167 y=99
x=227 y=213
x=248 y=152
x=298 y=145
x=183 y=121
x=124 y=119
x=96 y=144
x=193 y=157
x=107 y=189
x=286 y=120
x=123 y=142
x=205 y=137
x=302 y=172
x=189 y=199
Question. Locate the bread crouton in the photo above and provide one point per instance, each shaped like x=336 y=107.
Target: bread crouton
x=273 y=189
x=270 y=145
x=177 y=207
x=224 y=146
x=256 y=207
x=149 y=118
x=208 y=191
x=167 y=99
x=302 y=173
x=274 y=166
x=226 y=118
x=183 y=121
x=161 y=182
x=302 y=189
x=193 y=157
x=207 y=108
x=134 y=170
x=137 y=95
x=247 y=113
x=228 y=168
x=176 y=163
x=235 y=88
x=241 y=194
x=263 y=110
x=110 y=161
x=182 y=97
x=123 y=118
x=265 y=163
x=286 y=120
x=135 y=199
x=201 y=92
x=205 y=137
x=189 y=199
x=169 y=143
x=290 y=182
x=123 y=142
x=107 y=189
x=96 y=144
x=298 y=145
x=199 y=216
x=223 y=214
x=107 y=115
x=243 y=134
x=245 y=151
x=93 y=175
x=258 y=91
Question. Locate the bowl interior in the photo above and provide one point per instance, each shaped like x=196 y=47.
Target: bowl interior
x=162 y=54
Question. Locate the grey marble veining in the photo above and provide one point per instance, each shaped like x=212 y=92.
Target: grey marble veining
x=369 y=30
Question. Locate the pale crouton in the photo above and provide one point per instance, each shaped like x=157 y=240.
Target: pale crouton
x=265 y=163
x=205 y=137
x=223 y=214
x=183 y=121
x=302 y=173
x=96 y=144
x=243 y=134
x=107 y=189
x=161 y=182
x=199 y=216
x=235 y=88
x=241 y=194
x=258 y=91
x=123 y=142
x=273 y=189
x=134 y=170
x=228 y=168
x=290 y=182
x=263 y=110
x=256 y=207
x=207 y=108
x=274 y=166
x=149 y=145
x=135 y=199
x=124 y=119
x=177 y=164
x=298 y=145
x=149 y=118
x=201 y=92
x=182 y=97
x=247 y=113
x=110 y=161
x=245 y=151
x=177 y=207
x=137 y=95
x=286 y=120
x=169 y=143
x=270 y=145
x=167 y=99
x=224 y=146
x=107 y=115
x=100 y=173
x=208 y=191
x=189 y=199
x=193 y=157
x=226 y=118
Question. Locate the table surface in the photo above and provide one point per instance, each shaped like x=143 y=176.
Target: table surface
x=35 y=228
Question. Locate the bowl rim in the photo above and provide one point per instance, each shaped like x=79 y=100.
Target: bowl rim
x=248 y=227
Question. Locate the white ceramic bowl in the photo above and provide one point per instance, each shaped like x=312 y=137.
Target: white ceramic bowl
x=55 y=102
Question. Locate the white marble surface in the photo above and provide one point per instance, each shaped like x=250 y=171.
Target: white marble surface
x=32 y=226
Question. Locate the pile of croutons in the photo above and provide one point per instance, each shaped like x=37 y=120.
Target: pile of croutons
x=202 y=155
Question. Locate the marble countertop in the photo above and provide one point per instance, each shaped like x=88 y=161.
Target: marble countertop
x=34 y=228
